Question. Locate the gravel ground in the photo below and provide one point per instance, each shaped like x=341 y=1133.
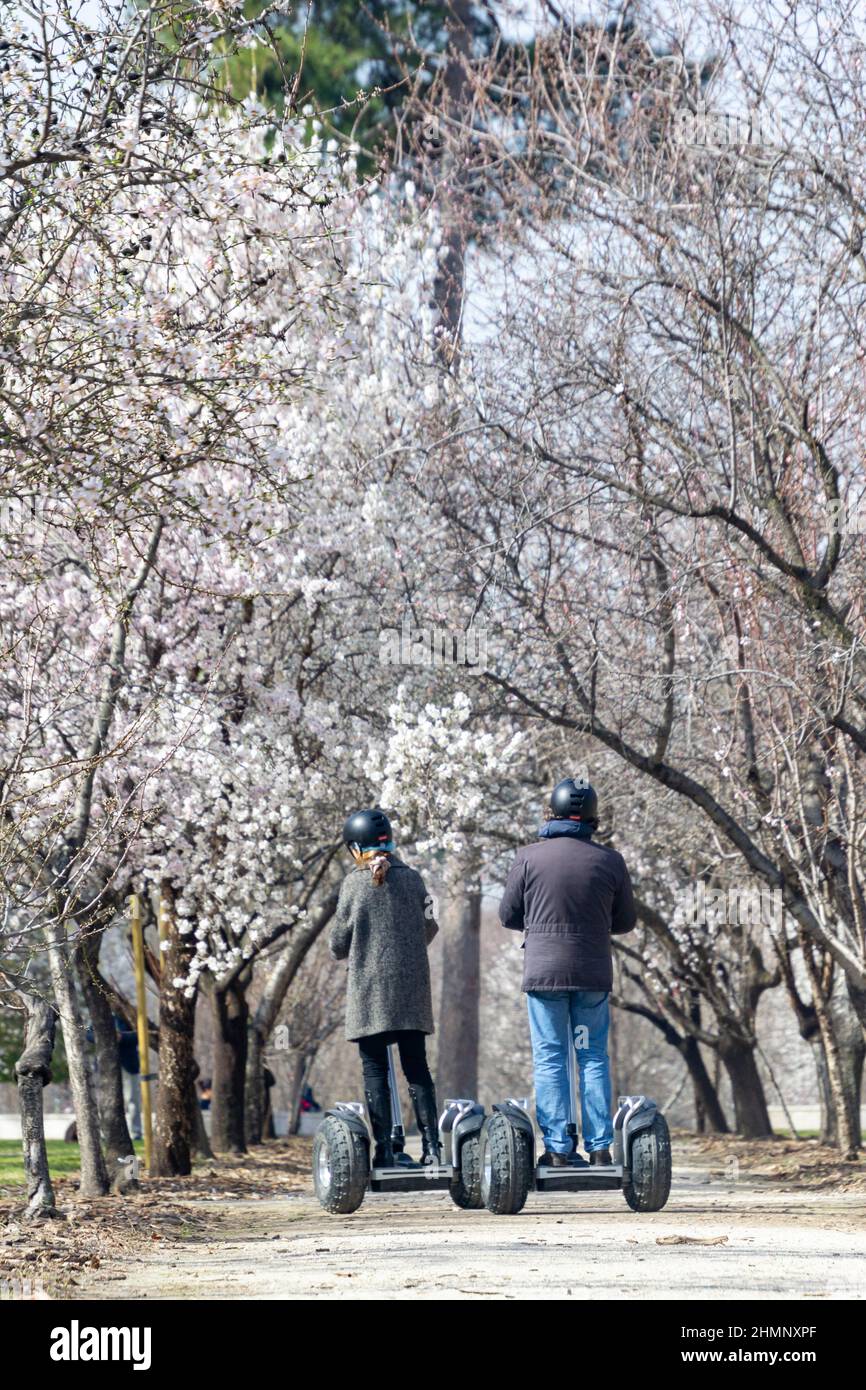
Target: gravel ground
x=781 y=1230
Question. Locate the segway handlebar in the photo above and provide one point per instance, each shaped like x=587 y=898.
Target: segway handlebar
x=396 y=1109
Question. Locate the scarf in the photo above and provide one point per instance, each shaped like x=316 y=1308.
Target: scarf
x=578 y=829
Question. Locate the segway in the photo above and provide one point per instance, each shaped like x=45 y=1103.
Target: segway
x=342 y=1174
x=641 y=1165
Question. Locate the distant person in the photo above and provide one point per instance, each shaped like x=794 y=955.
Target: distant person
x=130 y=1068
x=383 y=927
x=308 y=1100
x=569 y=895
x=205 y=1092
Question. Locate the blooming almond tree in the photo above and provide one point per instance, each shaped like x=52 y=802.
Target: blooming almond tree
x=663 y=434
x=168 y=268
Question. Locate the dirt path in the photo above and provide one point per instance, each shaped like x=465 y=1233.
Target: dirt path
x=782 y=1241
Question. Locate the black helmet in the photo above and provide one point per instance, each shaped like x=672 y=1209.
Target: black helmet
x=368 y=830
x=571 y=800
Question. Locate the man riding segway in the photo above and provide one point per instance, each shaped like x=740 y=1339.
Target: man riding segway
x=569 y=895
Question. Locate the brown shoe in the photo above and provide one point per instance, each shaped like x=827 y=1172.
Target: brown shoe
x=600 y=1158
x=549 y=1160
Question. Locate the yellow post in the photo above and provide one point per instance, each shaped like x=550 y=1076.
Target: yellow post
x=143 y=1045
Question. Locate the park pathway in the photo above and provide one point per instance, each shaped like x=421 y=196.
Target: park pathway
x=770 y=1241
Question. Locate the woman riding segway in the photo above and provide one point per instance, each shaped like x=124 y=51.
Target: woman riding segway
x=384 y=924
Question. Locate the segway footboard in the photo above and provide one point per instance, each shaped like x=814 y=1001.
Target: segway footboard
x=414 y=1179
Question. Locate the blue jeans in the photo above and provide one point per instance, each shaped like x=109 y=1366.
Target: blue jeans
x=558 y=1019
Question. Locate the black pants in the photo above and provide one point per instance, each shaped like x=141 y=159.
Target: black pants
x=413 y=1056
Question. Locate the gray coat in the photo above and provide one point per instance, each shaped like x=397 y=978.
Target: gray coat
x=384 y=934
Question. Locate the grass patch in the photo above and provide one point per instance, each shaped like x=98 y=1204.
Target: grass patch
x=63 y=1159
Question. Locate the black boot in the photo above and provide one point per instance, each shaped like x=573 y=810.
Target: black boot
x=379 y=1111
x=424 y=1101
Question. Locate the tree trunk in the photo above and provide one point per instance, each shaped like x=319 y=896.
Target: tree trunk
x=300 y=1069
x=459 y=1007
x=851 y=1065
x=843 y=1055
x=264 y=1019
x=453 y=102
x=844 y=1006
x=843 y=1066
x=175 y=1131
x=750 y=1103
x=94 y=1177
x=33 y=1070
x=457 y=1063
x=842 y=1099
x=231 y=1013
x=176 y=1102
x=857 y=1000
x=709 y=1115
x=108 y=1080
x=254 y=1090
x=828 y=1133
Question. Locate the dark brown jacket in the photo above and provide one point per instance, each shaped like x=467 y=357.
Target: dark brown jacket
x=568 y=895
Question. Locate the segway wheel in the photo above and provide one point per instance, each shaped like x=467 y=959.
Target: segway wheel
x=341 y=1166
x=650 y=1184
x=466 y=1185
x=506 y=1167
